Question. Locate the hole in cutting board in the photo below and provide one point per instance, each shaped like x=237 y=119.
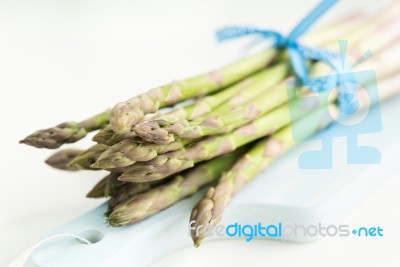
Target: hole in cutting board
x=93 y=236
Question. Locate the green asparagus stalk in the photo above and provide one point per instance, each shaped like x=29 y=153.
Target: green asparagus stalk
x=119 y=191
x=126 y=114
x=61 y=159
x=172 y=162
x=257 y=159
x=373 y=26
x=240 y=91
x=84 y=160
x=355 y=27
x=234 y=94
x=112 y=184
x=72 y=131
x=128 y=151
x=128 y=190
x=106 y=136
x=195 y=110
x=344 y=25
x=169 y=163
x=106 y=186
x=98 y=190
x=143 y=205
x=208 y=211
x=157 y=130
x=163 y=132
x=384 y=63
x=67 y=132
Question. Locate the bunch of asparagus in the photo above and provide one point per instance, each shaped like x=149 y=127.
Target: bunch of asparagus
x=160 y=148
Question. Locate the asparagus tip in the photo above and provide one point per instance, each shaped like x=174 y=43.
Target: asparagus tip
x=61 y=159
x=51 y=138
x=197 y=243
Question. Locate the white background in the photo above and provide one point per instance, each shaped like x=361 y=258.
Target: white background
x=65 y=60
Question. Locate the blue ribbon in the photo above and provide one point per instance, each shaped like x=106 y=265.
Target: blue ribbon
x=300 y=53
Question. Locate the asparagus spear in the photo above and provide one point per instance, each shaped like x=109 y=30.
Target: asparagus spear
x=344 y=28
x=240 y=92
x=67 y=132
x=208 y=103
x=143 y=205
x=169 y=163
x=163 y=132
x=158 y=130
x=128 y=190
x=98 y=190
x=61 y=159
x=84 y=160
x=72 y=131
x=113 y=159
x=166 y=132
x=129 y=151
x=109 y=186
x=107 y=136
x=126 y=114
x=208 y=211
x=235 y=94
x=106 y=186
x=257 y=159
x=319 y=35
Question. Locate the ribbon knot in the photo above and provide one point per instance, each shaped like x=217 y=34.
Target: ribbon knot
x=298 y=55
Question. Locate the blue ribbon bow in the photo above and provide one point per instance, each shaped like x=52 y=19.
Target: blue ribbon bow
x=300 y=53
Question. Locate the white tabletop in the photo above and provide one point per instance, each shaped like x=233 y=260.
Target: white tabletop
x=65 y=60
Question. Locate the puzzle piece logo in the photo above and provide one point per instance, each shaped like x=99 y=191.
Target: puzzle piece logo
x=321 y=109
